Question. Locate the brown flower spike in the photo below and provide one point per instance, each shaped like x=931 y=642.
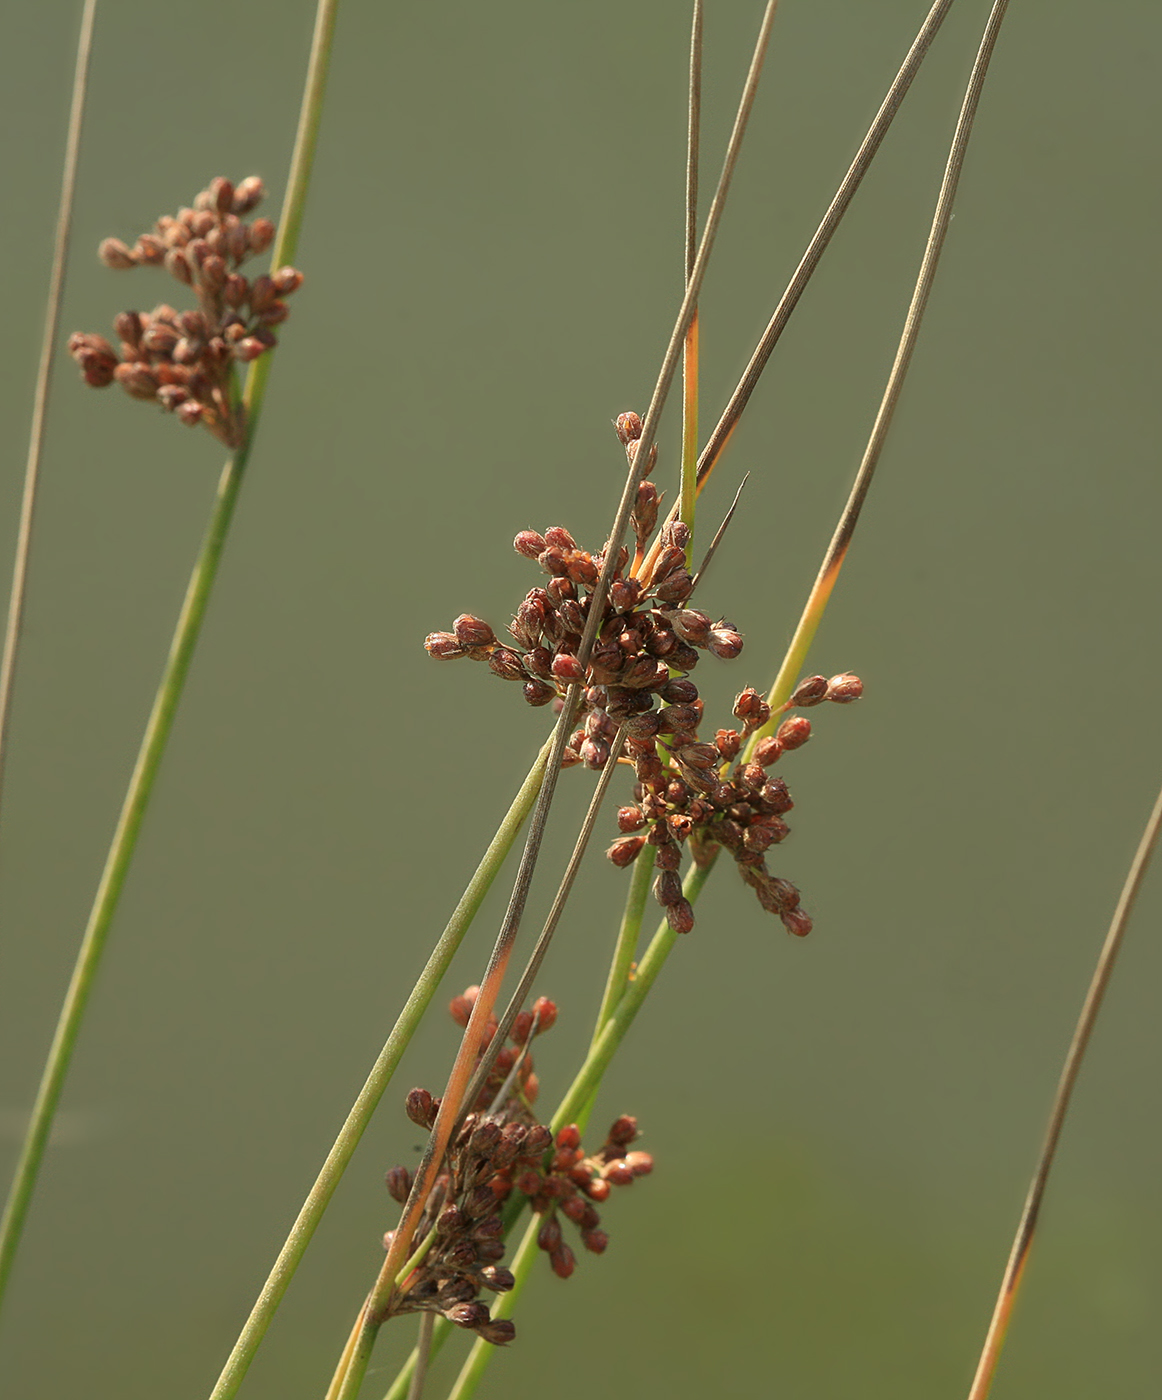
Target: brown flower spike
x=184 y=360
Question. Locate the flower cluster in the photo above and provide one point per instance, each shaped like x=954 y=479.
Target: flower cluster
x=711 y=804
x=647 y=632
x=500 y=1149
x=184 y=360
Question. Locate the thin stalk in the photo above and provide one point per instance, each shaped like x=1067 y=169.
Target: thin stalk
x=813 y=254
x=689 y=488
x=399 y=1387
x=841 y=540
x=364 y=1106
x=348 y=1377
x=541 y=947
x=168 y=695
x=627 y=936
x=1026 y=1229
x=423 y=1356
x=52 y=315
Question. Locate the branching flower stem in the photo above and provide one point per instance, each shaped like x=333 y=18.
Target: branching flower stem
x=169 y=692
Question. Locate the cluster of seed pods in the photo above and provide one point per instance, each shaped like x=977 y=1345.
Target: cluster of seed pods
x=183 y=360
x=500 y=1149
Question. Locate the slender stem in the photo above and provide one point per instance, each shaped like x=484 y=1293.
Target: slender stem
x=52 y=310
x=822 y=236
x=689 y=489
x=552 y=919
x=813 y=254
x=423 y=1356
x=399 y=1387
x=841 y=540
x=348 y=1377
x=364 y=1106
x=627 y=936
x=160 y=722
x=1026 y=1229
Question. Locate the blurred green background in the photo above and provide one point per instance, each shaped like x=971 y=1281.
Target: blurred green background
x=843 y=1127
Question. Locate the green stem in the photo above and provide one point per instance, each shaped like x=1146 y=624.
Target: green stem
x=627 y=936
x=169 y=692
x=377 y=1081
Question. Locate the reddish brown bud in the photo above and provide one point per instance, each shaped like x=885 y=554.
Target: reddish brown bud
x=629 y=428
x=500 y=1331
x=640 y=1163
x=630 y=819
x=794 y=732
x=399 y=1183
x=113 y=253
x=796 y=921
x=810 y=691
x=667 y=888
x=728 y=742
x=471 y=1315
x=538 y=693
x=136 y=380
x=622 y=1130
x=567 y=668
x=249 y=348
x=190 y=412
x=563 y=1261
x=618 y=1172
x=545 y=1011
x=680 y=916
x=676 y=587
x=473 y=631
x=222 y=193
x=549 y=1235
x=769 y=750
x=724 y=643
x=569 y=1137
x=443 y=646
x=499 y=1280
x=625 y=594
x=261 y=235
x=597 y=1188
x=560 y=538
x=692 y=626
x=751 y=709
x=460 y=1008
x=625 y=851
x=421 y=1107
x=149 y=250
x=843 y=689
x=506 y=664
x=286 y=280
x=247 y=193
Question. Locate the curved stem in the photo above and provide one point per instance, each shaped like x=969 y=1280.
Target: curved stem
x=169 y=692
x=364 y=1106
x=44 y=381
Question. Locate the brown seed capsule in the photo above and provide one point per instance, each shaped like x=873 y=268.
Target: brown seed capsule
x=473 y=631
x=506 y=664
x=724 y=643
x=113 y=253
x=690 y=625
x=136 y=380
x=567 y=668
x=810 y=691
x=776 y=798
x=625 y=594
x=499 y=1280
x=286 y=280
x=192 y=412
x=249 y=348
x=629 y=428
x=630 y=819
x=794 y=732
x=545 y=1010
x=667 y=888
x=399 y=1183
x=247 y=193
x=843 y=689
x=538 y=693
x=471 y=1315
x=500 y=1331
x=563 y=1261
x=549 y=1235
x=680 y=916
x=443 y=646
x=261 y=235
x=796 y=921
x=149 y=250
x=640 y=1163
x=618 y=1172
x=421 y=1107
x=676 y=587
x=728 y=742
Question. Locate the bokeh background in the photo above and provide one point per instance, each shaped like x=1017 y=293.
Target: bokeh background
x=844 y=1126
